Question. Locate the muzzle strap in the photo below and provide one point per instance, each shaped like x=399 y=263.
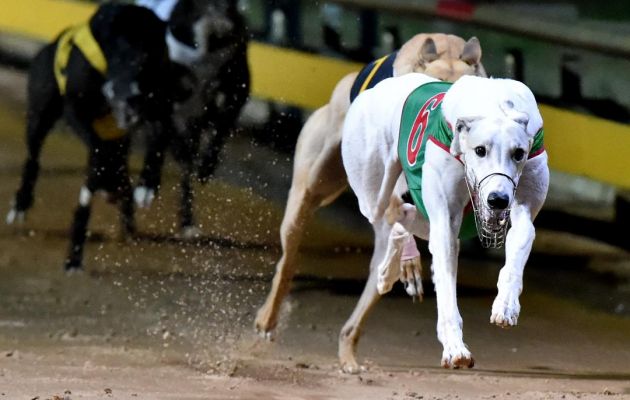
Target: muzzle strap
x=492 y=225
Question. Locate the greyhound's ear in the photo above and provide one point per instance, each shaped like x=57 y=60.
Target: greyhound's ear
x=519 y=117
x=462 y=127
x=471 y=54
x=428 y=51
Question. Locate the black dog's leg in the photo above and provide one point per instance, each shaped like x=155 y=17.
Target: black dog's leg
x=79 y=230
x=80 y=121
x=125 y=203
x=151 y=175
x=186 y=206
x=224 y=108
x=223 y=118
x=210 y=155
x=224 y=122
x=45 y=106
x=182 y=149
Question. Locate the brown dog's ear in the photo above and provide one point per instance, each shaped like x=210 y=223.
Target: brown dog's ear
x=471 y=54
x=428 y=51
x=462 y=127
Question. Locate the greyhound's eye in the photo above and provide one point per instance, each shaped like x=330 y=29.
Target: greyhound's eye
x=480 y=151
x=518 y=154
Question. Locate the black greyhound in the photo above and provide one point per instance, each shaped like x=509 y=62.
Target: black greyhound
x=210 y=38
x=222 y=72
x=105 y=77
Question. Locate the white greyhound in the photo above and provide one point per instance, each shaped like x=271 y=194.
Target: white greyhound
x=318 y=175
x=399 y=132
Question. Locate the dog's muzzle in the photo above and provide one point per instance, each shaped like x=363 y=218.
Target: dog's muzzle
x=492 y=224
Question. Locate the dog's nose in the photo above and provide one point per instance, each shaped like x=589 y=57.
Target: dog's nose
x=498 y=201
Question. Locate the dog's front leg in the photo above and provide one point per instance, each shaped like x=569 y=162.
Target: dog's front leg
x=518 y=244
x=151 y=174
x=74 y=261
x=444 y=247
x=440 y=197
x=530 y=196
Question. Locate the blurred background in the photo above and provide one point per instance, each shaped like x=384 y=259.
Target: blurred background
x=573 y=54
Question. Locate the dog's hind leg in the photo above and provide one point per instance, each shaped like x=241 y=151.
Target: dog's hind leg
x=318 y=178
x=401 y=262
x=45 y=107
x=393 y=169
x=410 y=263
x=351 y=331
x=300 y=207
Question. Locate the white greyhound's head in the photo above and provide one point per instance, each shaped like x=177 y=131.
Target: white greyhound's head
x=494 y=123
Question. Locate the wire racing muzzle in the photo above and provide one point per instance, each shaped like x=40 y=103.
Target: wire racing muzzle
x=492 y=225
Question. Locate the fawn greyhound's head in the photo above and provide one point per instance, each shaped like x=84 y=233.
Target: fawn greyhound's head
x=442 y=56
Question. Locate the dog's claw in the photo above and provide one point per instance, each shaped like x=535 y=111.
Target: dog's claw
x=412 y=277
x=352 y=368
x=505 y=310
x=503 y=321
x=457 y=362
x=143 y=196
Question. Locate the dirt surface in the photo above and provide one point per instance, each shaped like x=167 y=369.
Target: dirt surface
x=160 y=318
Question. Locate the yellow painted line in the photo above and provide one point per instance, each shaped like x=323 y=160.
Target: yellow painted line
x=576 y=143
x=588 y=146
x=294 y=77
x=42 y=19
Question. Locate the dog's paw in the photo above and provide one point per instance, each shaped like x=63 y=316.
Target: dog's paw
x=263 y=325
x=412 y=277
x=72 y=267
x=351 y=367
x=505 y=310
x=457 y=358
x=15 y=216
x=265 y=335
x=190 y=233
x=143 y=196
